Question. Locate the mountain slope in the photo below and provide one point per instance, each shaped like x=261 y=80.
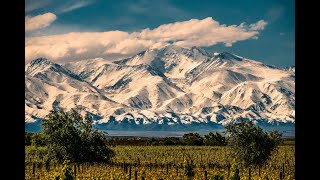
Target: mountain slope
x=168 y=88
x=171 y=60
x=49 y=86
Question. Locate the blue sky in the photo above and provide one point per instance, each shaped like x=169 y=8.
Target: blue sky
x=273 y=44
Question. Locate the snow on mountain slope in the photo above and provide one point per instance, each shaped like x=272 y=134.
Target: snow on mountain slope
x=47 y=70
x=85 y=68
x=132 y=82
x=263 y=97
x=213 y=83
x=49 y=86
x=167 y=88
x=172 y=60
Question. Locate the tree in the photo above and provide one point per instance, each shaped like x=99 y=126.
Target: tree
x=169 y=141
x=214 y=139
x=193 y=139
x=69 y=136
x=27 y=138
x=252 y=146
x=38 y=139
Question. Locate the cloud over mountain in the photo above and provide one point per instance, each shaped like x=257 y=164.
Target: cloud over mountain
x=120 y=44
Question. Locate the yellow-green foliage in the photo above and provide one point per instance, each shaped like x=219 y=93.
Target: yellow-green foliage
x=153 y=162
x=217 y=176
x=188 y=167
x=66 y=172
x=234 y=171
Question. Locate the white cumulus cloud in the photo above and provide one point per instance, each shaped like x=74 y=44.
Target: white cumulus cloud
x=119 y=44
x=39 y=21
x=196 y=32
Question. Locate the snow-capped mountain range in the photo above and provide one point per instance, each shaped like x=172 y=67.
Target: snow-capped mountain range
x=167 y=88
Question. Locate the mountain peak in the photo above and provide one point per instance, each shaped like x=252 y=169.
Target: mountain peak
x=41 y=65
x=228 y=56
x=41 y=61
x=38 y=65
x=196 y=50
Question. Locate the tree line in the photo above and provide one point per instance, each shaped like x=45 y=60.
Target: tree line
x=188 y=139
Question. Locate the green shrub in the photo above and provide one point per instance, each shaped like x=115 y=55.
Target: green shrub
x=193 y=139
x=70 y=136
x=214 y=139
x=251 y=145
x=38 y=139
x=27 y=138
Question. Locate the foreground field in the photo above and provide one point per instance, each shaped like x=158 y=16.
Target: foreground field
x=164 y=162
